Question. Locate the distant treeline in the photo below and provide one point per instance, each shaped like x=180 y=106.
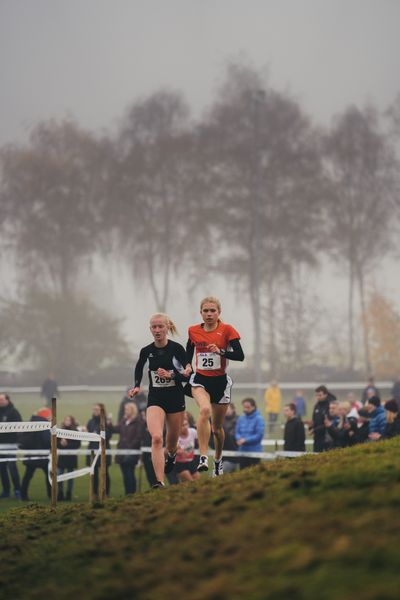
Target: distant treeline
x=253 y=191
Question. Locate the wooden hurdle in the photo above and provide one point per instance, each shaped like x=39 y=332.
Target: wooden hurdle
x=103 y=459
x=54 y=459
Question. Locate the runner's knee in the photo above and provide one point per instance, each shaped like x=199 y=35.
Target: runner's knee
x=205 y=412
x=157 y=440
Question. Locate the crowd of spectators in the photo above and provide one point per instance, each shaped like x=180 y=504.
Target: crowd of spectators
x=333 y=424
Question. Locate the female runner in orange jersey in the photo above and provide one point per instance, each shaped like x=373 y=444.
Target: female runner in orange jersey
x=213 y=343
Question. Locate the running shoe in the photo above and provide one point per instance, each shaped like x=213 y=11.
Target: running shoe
x=158 y=484
x=169 y=462
x=218 y=468
x=203 y=463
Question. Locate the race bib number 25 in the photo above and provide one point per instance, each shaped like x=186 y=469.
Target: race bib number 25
x=208 y=361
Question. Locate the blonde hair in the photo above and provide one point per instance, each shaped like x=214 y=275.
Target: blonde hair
x=169 y=323
x=390 y=416
x=133 y=408
x=211 y=299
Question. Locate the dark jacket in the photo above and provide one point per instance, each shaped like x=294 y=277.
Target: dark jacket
x=392 y=429
x=9 y=414
x=341 y=436
x=36 y=440
x=93 y=426
x=294 y=435
x=320 y=411
x=68 y=461
x=396 y=391
x=130 y=438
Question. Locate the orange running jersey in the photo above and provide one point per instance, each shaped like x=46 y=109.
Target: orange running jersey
x=210 y=363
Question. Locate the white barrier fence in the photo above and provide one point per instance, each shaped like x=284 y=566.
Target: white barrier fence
x=15 y=453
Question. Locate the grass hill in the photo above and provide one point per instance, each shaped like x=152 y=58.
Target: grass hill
x=319 y=527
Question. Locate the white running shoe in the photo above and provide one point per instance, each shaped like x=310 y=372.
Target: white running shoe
x=203 y=463
x=218 y=468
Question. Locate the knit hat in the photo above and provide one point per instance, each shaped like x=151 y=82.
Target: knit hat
x=45 y=413
x=374 y=400
x=392 y=406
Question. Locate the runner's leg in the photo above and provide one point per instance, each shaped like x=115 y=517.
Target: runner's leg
x=155 y=417
x=202 y=399
x=218 y=415
x=174 y=425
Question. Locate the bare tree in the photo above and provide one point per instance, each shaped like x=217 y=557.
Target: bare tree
x=360 y=166
x=266 y=179
x=50 y=220
x=154 y=208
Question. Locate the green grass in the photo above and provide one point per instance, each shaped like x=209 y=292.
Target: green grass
x=323 y=527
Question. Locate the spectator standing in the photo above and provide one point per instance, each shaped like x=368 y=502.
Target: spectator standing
x=8 y=413
x=49 y=389
x=294 y=434
x=140 y=400
x=392 y=427
x=229 y=425
x=300 y=403
x=130 y=429
x=67 y=462
x=396 y=391
x=36 y=440
x=369 y=391
x=249 y=432
x=273 y=401
x=321 y=410
x=93 y=426
x=341 y=428
x=377 y=418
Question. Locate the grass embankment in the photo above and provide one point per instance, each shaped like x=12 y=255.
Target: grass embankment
x=316 y=527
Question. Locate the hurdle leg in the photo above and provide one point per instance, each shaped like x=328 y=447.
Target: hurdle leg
x=54 y=488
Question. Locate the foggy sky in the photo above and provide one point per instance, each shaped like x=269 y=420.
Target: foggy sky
x=90 y=59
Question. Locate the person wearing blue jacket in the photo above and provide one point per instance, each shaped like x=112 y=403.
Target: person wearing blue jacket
x=377 y=420
x=249 y=432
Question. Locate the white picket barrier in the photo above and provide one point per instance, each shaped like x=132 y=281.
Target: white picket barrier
x=33 y=426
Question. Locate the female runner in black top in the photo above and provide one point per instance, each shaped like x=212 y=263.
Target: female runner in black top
x=168 y=366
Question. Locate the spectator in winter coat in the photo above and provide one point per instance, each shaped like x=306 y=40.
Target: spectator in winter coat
x=230 y=422
x=93 y=426
x=249 y=432
x=342 y=429
x=273 y=400
x=300 y=403
x=396 y=392
x=130 y=429
x=294 y=435
x=369 y=391
x=377 y=418
x=392 y=427
x=67 y=462
x=9 y=414
x=49 y=389
x=36 y=440
x=320 y=411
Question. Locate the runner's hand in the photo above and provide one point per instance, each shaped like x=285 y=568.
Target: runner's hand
x=187 y=371
x=214 y=348
x=164 y=373
x=133 y=391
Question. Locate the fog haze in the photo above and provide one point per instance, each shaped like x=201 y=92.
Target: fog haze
x=90 y=60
